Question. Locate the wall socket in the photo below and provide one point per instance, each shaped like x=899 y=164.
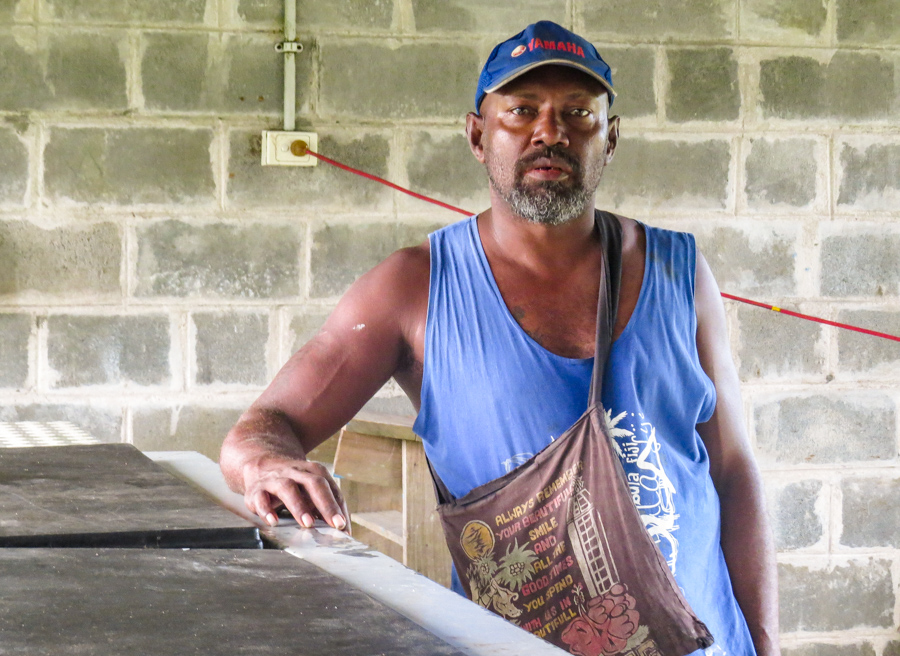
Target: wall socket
x=286 y=149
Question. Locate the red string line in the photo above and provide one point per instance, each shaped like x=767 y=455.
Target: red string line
x=775 y=308
x=731 y=297
x=389 y=184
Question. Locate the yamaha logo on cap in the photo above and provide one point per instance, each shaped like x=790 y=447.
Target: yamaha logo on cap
x=540 y=44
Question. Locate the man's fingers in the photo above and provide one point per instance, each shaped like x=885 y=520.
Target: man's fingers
x=317 y=483
x=305 y=491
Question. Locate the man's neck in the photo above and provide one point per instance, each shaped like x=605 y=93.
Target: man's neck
x=538 y=246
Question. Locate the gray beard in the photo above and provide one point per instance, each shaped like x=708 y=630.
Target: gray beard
x=550 y=204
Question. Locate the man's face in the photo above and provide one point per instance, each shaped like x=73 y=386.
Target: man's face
x=545 y=139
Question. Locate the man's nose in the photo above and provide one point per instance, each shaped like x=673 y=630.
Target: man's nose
x=549 y=130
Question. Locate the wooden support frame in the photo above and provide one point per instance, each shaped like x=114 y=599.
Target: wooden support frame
x=384 y=476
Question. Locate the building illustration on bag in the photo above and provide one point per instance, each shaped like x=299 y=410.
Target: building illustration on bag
x=589 y=543
x=608 y=622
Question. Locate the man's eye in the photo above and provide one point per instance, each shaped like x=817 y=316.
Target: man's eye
x=581 y=113
x=519 y=111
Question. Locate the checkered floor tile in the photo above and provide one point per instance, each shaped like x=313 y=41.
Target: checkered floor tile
x=42 y=433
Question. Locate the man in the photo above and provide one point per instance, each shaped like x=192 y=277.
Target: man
x=490 y=326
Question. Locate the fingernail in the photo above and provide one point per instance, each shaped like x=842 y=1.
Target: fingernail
x=272 y=519
x=338 y=522
x=308 y=521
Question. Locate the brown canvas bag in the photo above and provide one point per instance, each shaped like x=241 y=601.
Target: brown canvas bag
x=557 y=546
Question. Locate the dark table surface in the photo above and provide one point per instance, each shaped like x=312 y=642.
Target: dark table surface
x=198 y=602
x=107 y=495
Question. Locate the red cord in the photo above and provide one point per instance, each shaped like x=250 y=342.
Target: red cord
x=728 y=296
x=385 y=182
x=811 y=318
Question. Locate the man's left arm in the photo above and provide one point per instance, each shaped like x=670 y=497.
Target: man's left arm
x=746 y=538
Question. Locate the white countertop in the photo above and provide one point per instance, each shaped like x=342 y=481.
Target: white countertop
x=459 y=622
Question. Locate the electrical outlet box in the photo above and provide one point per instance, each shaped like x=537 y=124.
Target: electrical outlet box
x=288 y=149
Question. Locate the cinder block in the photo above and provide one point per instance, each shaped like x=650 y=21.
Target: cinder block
x=115 y=11
x=753 y=260
x=79 y=70
x=781 y=172
x=670 y=174
x=857 y=595
x=861 y=263
x=256 y=79
x=495 y=16
x=892 y=648
x=176 y=71
x=185 y=428
x=413 y=80
x=304 y=327
x=231 y=348
x=778 y=346
x=87 y=71
x=14 y=172
x=703 y=85
x=15 y=330
x=129 y=166
x=860 y=353
x=785 y=20
x=868 y=21
x=825 y=429
x=792 y=507
x=852 y=86
x=85 y=350
x=871 y=513
x=870 y=178
x=68 y=261
x=218 y=261
x=7 y=11
x=860 y=649
x=655 y=19
x=391 y=405
x=341 y=253
x=237 y=73
x=336 y=14
x=309 y=189
x=101 y=422
x=22 y=84
x=633 y=71
x=442 y=165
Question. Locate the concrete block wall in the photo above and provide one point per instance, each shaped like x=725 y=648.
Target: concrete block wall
x=153 y=276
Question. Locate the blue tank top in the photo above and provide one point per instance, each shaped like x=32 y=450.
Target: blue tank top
x=492 y=397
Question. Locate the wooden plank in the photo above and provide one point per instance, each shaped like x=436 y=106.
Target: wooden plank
x=425 y=548
x=326 y=451
x=369 y=459
x=361 y=497
x=395 y=426
x=386 y=523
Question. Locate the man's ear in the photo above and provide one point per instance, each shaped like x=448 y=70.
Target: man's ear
x=612 y=138
x=474 y=133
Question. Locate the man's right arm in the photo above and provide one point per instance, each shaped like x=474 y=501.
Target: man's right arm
x=368 y=338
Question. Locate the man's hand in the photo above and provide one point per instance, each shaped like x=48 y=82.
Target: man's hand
x=263 y=457
x=305 y=488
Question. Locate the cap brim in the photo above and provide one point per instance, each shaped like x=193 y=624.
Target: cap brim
x=561 y=62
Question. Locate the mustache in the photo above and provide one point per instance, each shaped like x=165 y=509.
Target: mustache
x=554 y=152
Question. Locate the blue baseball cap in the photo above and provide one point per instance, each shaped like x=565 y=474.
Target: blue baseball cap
x=542 y=43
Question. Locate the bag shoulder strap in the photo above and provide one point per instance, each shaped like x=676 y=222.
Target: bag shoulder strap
x=608 y=301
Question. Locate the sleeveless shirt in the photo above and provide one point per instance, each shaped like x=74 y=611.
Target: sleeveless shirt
x=492 y=397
